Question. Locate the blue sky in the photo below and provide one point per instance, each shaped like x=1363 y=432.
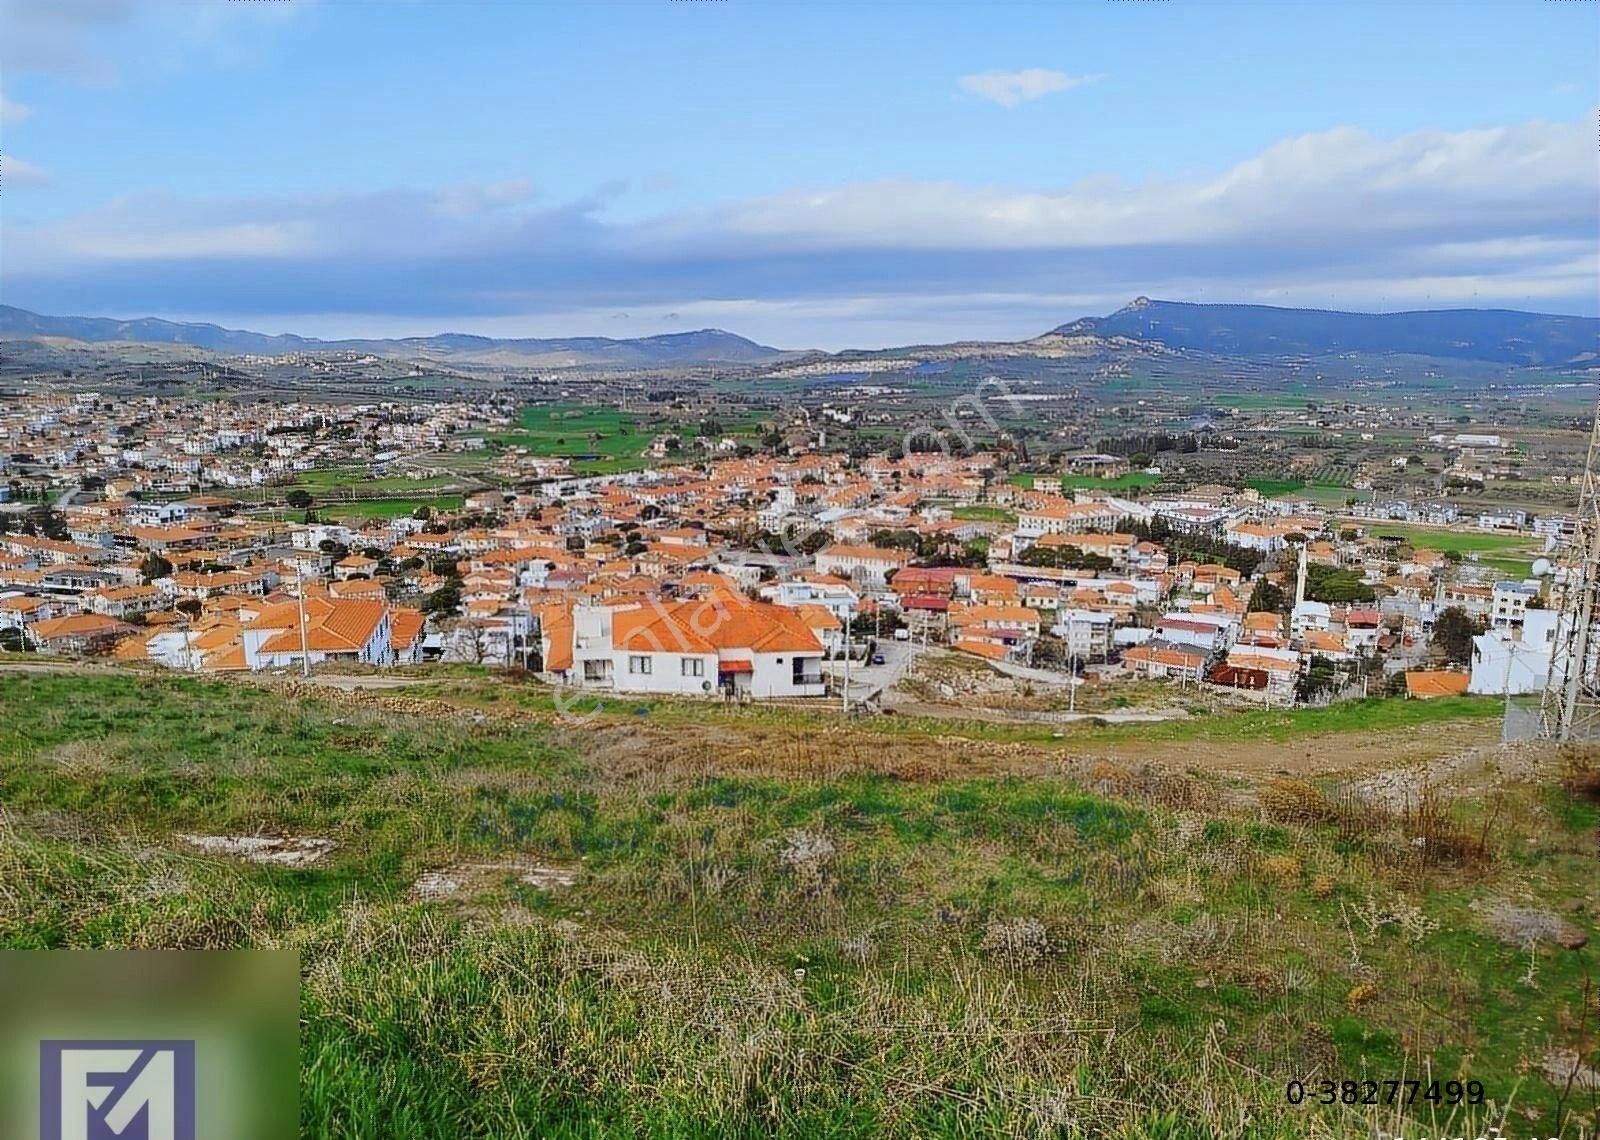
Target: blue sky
x=807 y=174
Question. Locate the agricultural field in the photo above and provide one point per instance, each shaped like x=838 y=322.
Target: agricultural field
x=1511 y=553
x=981 y=513
x=1132 y=481
x=658 y=922
x=1324 y=494
x=389 y=508
x=601 y=441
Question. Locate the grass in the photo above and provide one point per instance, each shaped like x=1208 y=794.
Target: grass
x=978 y=513
x=600 y=441
x=757 y=949
x=390 y=508
x=360 y=479
x=1132 y=481
x=1511 y=554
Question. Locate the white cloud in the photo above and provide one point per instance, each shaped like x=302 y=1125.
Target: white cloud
x=194 y=242
x=1009 y=88
x=17 y=172
x=1315 y=188
x=1500 y=216
x=12 y=112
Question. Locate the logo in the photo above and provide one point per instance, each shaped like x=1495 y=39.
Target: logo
x=116 y=1090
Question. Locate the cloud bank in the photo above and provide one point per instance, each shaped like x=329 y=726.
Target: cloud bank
x=1499 y=216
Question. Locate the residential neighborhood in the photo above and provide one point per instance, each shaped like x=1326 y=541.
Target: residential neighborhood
x=163 y=532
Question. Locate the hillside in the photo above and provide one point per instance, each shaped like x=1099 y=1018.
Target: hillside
x=703 y=346
x=1495 y=335
x=783 y=926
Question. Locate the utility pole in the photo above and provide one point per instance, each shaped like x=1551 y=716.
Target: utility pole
x=844 y=690
x=1570 y=707
x=300 y=597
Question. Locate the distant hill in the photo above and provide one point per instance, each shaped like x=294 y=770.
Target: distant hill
x=1493 y=335
x=706 y=346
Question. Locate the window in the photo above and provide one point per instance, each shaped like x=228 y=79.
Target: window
x=639 y=663
x=694 y=667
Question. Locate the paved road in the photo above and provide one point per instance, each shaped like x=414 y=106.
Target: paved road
x=867 y=681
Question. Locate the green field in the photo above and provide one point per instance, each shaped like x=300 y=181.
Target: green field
x=1324 y=494
x=1511 y=554
x=389 y=508
x=614 y=438
x=777 y=934
x=1132 y=481
x=359 y=479
x=979 y=513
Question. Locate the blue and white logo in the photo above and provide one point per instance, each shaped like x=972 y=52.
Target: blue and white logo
x=116 y=1090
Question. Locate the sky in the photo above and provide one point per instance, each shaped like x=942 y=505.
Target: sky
x=811 y=175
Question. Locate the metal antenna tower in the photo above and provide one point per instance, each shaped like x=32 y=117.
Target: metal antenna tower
x=1570 y=708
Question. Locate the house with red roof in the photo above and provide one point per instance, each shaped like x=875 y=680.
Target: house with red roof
x=720 y=643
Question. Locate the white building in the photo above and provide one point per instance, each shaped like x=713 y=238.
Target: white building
x=1510 y=603
x=1503 y=662
x=1087 y=633
x=869 y=566
x=723 y=643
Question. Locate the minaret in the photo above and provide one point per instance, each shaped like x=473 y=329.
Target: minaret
x=1300 y=577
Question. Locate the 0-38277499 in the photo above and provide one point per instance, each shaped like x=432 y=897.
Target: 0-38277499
x=1393 y=1092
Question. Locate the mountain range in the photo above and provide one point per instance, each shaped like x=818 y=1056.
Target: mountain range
x=1499 y=336
x=1490 y=336
x=708 y=346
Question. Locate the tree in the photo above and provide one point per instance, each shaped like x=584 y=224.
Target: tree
x=1268 y=596
x=1321 y=677
x=45 y=521
x=1336 y=586
x=13 y=640
x=1453 y=631
x=299 y=499
x=154 y=566
x=443 y=602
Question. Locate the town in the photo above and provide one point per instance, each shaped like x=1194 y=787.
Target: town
x=216 y=537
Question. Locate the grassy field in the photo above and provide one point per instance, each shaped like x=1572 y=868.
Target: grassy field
x=389 y=508
x=1512 y=554
x=979 y=513
x=359 y=479
x=610 y=439
x=744 y=941
x=1132 y=481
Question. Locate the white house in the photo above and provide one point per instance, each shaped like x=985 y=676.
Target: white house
x=1087 y=632
x=722 y=643
x=1505 y=663
x=1308 y=617
x=1509 y=603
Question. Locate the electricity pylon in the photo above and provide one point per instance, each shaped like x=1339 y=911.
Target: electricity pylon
x=1570 y=708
